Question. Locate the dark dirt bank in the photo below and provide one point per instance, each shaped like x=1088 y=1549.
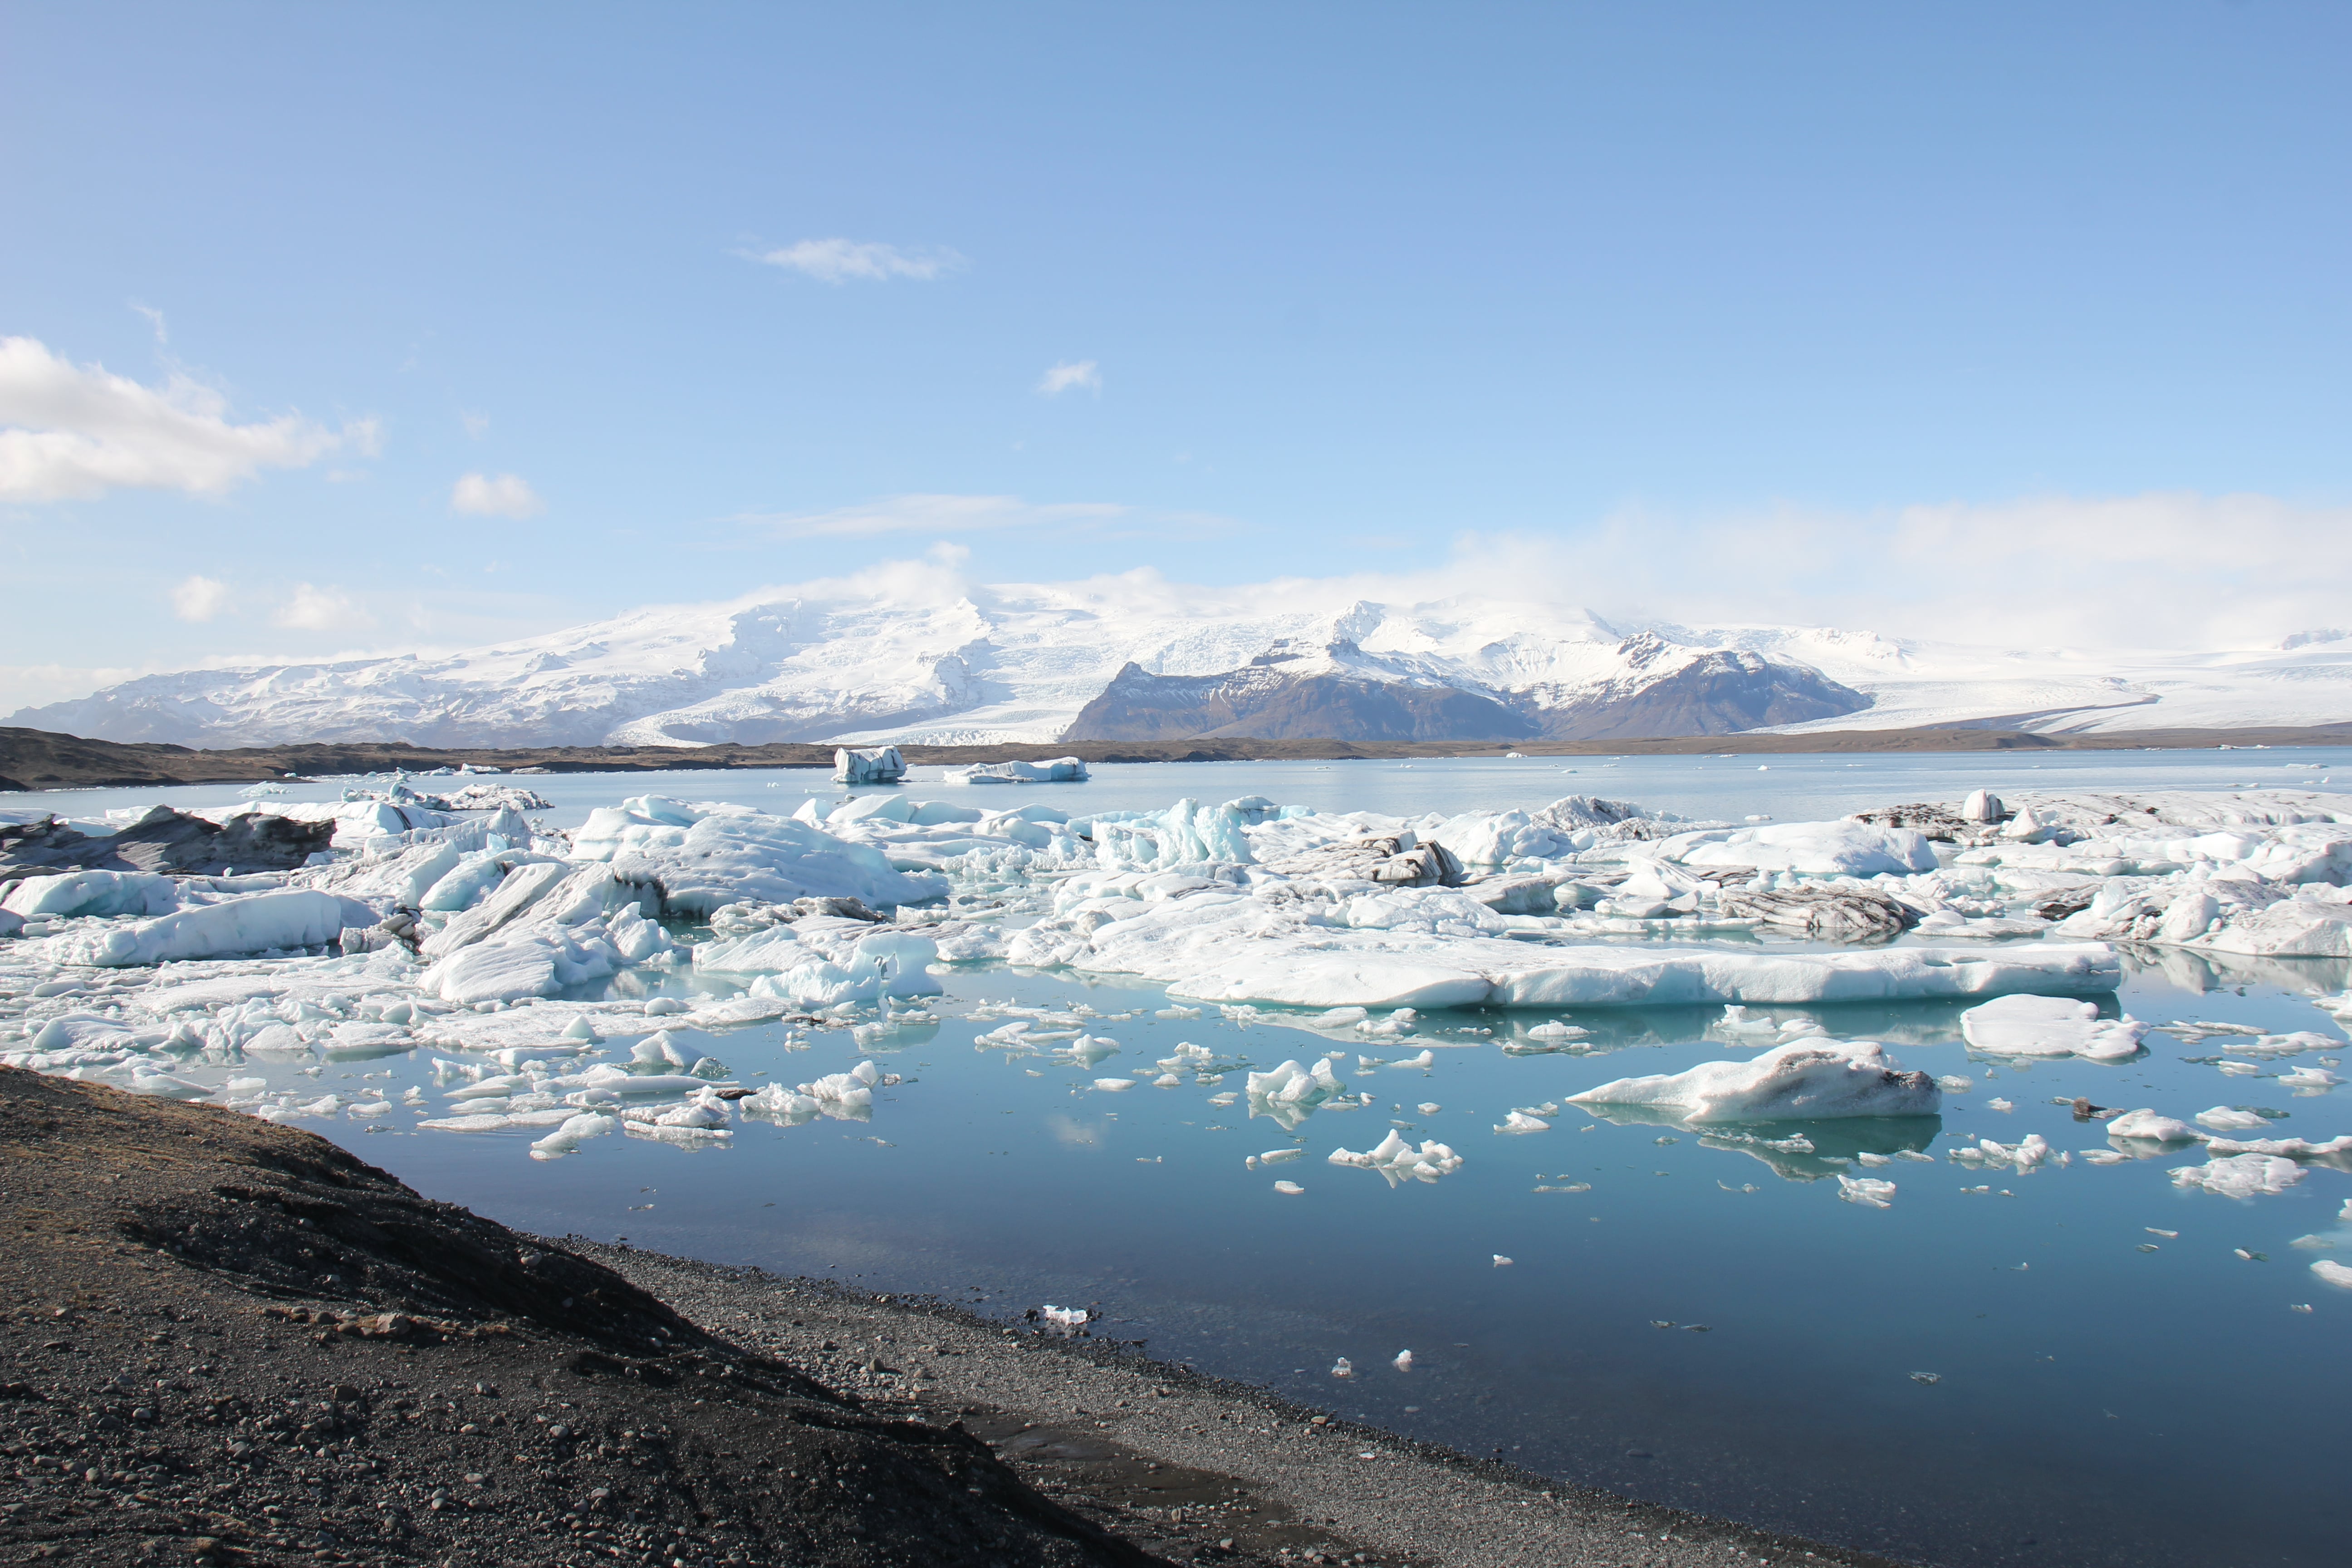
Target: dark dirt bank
x=232 y=1342
x=36 y=758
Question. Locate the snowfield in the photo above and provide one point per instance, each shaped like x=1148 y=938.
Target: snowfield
x=956 y=663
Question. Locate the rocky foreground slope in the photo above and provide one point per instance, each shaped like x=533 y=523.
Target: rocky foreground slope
x=231 y=1342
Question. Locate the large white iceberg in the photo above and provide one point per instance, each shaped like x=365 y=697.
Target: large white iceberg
x=700 y=855
x=1811 y=1080
x=260 y=923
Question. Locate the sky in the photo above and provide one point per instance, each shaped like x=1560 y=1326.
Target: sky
x=333 y=328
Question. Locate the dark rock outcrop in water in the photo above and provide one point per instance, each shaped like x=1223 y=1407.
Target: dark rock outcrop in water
x=1665 y=691
x=163 y=840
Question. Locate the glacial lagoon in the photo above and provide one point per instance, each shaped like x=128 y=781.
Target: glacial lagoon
x=2081 y=1361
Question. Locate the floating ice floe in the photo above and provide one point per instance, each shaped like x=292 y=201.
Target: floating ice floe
x=1399 y=1162
x=2147 y=1124
x=2331 y=1272
x=2022 y=1025
x=2232 y=1119
x=1805 y=1081
x=1869 y=1191
x=1290 y=1094
x=2240 y=1175
x=1060 y=769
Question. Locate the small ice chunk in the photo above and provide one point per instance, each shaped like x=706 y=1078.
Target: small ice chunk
x=2226 y=1118
x=1997 y=1103
x=1953 y=1083
x=568 y=1137
x=1429 y=1107
x=1867 y=1189
x=2146 y=1123
x=1501 y=1261
x=1113 y=1085
x=1404 y=1362
x=2334 y=1273
x=1343 y=1367
x=1399 y=1162
x=1288 y=1189
x=1520 y=1121
x=1065 y=1316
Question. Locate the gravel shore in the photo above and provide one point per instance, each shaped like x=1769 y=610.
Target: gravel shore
x=228 y=1341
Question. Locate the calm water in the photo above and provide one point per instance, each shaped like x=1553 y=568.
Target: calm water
x=2094 y=1401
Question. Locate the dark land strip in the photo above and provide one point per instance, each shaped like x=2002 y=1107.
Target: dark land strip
x=36 y=758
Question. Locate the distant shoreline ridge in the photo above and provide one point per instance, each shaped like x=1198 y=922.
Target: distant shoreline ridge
x=33 y=760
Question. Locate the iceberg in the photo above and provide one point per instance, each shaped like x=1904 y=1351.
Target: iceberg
x=1290 y=1094
x=2146 y=1123
x=1061 y=770
x=1806 y=849
x=2021 y=1025
x=1810 y=1080
x=260 y=923
x=868 y=765
x=2240 y=1175
x=1399 y=1162
x=699 y=856
x=93 y=893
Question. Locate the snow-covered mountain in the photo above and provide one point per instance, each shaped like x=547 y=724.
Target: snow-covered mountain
x=944 y=662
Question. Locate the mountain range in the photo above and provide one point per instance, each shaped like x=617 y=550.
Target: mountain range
x=1123 y=659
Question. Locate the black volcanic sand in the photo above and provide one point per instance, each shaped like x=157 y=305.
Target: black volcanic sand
x=38 y=759
x=232 y=1342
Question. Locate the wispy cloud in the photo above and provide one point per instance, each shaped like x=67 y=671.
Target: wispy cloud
x=310 y=608
x=841 y=260
x=70 y=431
x=1069 y=373
x=199 y=598
x=495 y=495
x=934 y=514
x=155 y=320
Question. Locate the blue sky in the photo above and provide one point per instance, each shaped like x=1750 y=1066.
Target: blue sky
x=708 y=297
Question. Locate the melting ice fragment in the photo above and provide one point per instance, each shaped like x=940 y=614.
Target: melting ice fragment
x=2333 y=1273
x=1404 y=1362
x=2146 y=1123
x=568 y=1137
x=2240 y=1175
x=1399 y=1162
x=1520 y=1121
x=1866 y=1190
x=1288 y=1189
x=1808 y=1080
x=1343 y=1367
x=2227 y=1118
x=1290 y=1094
x=2049 y=1026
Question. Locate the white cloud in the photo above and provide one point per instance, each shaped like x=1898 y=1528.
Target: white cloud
x=839 y=260
x=199 y=598
x=476 y=424
x=1069 y=373
x=310 y=608
x=495 y=495
x=155 y=320
x=72 y=431
x=2171 y=570
x=36 y=685
x=934 y=514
